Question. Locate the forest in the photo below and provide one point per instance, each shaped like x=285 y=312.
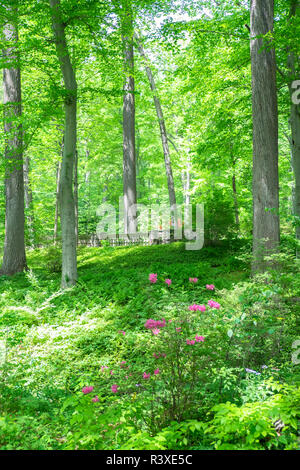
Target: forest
x=150 y=225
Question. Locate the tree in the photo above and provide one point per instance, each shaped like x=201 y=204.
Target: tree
x=162 y=124
x=265 y=133
x=293 y=66
x=67 y=202
x=14 y=258
x=129 y=151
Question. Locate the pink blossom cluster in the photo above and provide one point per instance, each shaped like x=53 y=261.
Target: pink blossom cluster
x=87 y=390
x=210 y=287
x=193 y=279
x=213 y=304
x=196 y=307
x=198 y=339
x=114 y=388
x=153 y=278
x=154 y=324
x=95 y=399
x=168 y=282
x=147 y=376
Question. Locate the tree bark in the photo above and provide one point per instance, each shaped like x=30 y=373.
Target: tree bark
x=129 y=151
x=76 y=195
x=67 y=203
x=55 y=231
x=28 y=201
x=295 y=127
x=162 y=124
x=14 y=258
x=266 y=232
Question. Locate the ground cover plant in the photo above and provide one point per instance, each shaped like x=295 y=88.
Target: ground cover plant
x=126 y=360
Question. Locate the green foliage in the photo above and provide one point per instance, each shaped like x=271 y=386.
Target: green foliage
x=59 y=342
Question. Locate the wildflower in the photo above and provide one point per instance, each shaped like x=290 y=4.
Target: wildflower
x=153 y=278
x=87 y=390
x=157 y=356
x=161 y=323
x=196 y=307
x=178 y=329
x=155 y=331
x=114 y=388
x=264 y=367
x=198 y=339
x=122 y=332
x=168 y=281
x=213 y=304
x=190 y=341
x=150 y=324
x=210 y=287
x=95 y=399
x=111 y=372
x=250 y=371
x=103 y=368
x=156 y=372
x=146 y=376
x=193 y=279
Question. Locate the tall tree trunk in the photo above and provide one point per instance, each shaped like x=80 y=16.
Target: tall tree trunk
x=266 y=233
x=129 y=156
x=67 y=204
x=295 y=127
x=56 y=218
x=76 y=195
x=14 y=258
x=162 y=124
x=28 y=201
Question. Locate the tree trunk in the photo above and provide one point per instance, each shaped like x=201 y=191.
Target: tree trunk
x=55 y=232
x=67 y=204
x=28 y=202
x=295 y=128
x=76 y=195
x=129 y=156
x=162 y=125
x=14 y=258
x=266 y=234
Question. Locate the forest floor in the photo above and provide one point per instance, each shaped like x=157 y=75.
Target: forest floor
x=59 y=341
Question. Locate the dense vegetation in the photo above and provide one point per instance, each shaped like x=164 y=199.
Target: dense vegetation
x=165 y=102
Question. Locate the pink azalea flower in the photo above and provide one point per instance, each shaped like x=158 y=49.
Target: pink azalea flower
x=210 y=287
x=155 y=331
x=146 y=376
x=213 y=304
x=168 y=281
x=95 y=399
x=199 y=338
x=193 y=279
x=87 y=390
x=153 y=278
x=190 y=341
x=196 y=307
x=114 y=388
x=156 y=372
